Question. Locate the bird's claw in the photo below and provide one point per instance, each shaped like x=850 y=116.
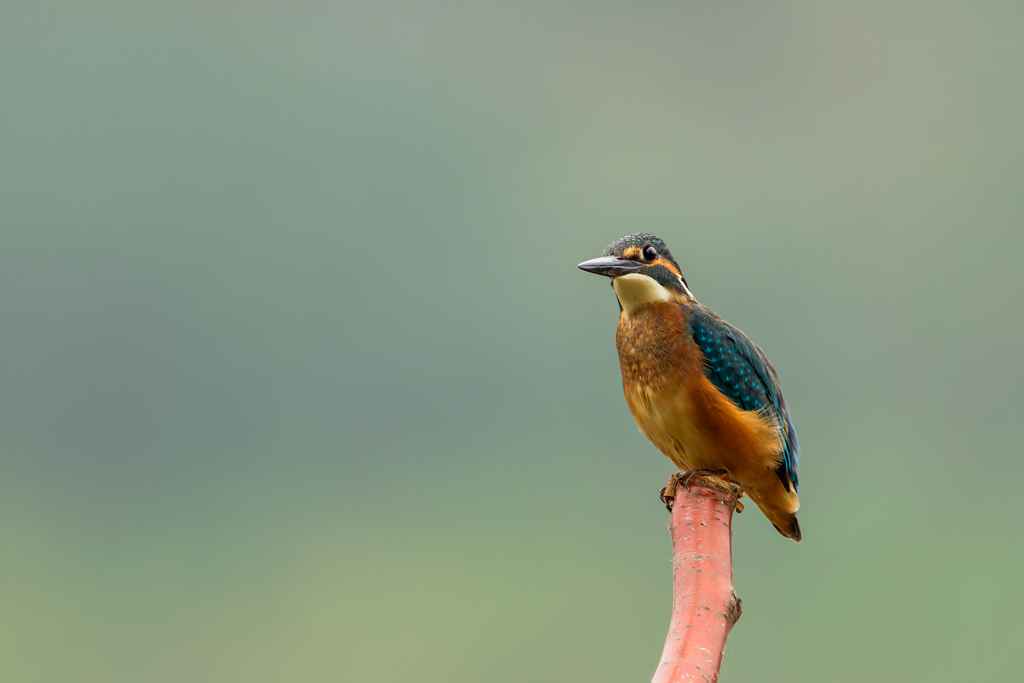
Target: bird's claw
x=668 y=492
x=679 y=479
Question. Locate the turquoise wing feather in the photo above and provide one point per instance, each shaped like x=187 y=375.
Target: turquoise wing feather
x=741 y=371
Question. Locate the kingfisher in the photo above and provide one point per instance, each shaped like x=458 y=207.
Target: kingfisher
x=699 y=389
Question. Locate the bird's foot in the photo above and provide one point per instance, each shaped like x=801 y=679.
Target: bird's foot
x=668 y=493
x=687 y=479
x=697 y=478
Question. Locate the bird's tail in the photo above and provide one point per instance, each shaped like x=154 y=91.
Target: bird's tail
x=780 y=507
x=790 y=528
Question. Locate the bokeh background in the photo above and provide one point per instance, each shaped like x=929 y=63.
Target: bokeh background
x=299 y=381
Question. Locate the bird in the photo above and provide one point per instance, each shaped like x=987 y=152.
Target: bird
x=701 y=391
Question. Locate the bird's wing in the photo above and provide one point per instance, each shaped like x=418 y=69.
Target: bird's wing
x=741 y=371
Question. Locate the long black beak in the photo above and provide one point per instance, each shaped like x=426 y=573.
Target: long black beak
x=610 y=266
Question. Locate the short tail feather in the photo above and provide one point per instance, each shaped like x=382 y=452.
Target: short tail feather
x=789 y=528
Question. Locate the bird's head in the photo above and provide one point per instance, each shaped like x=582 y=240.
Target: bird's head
x=642 y=271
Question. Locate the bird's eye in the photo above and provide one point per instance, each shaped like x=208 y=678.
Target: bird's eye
x=650 y=253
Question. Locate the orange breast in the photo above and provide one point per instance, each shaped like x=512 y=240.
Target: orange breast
x=678 y=408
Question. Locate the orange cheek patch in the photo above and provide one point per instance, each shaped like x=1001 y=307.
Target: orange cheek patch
x=667 y=264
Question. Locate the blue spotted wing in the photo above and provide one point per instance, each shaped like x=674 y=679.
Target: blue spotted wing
x=741 y=371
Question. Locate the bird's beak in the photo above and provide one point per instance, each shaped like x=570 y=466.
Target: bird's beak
x=610 y=266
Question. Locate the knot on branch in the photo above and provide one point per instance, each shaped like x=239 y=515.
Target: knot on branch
x=734 y=610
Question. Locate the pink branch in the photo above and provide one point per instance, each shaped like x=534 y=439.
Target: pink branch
x=704 y=606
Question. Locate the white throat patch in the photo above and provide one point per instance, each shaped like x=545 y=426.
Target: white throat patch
x=635 y=290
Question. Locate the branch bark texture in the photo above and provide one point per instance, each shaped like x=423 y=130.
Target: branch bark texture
x=704 y=605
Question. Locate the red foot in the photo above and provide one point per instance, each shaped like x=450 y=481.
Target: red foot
x=668 y=494
x=687 y=479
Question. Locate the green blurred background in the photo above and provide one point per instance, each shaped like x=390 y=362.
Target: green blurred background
x=299 y=380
